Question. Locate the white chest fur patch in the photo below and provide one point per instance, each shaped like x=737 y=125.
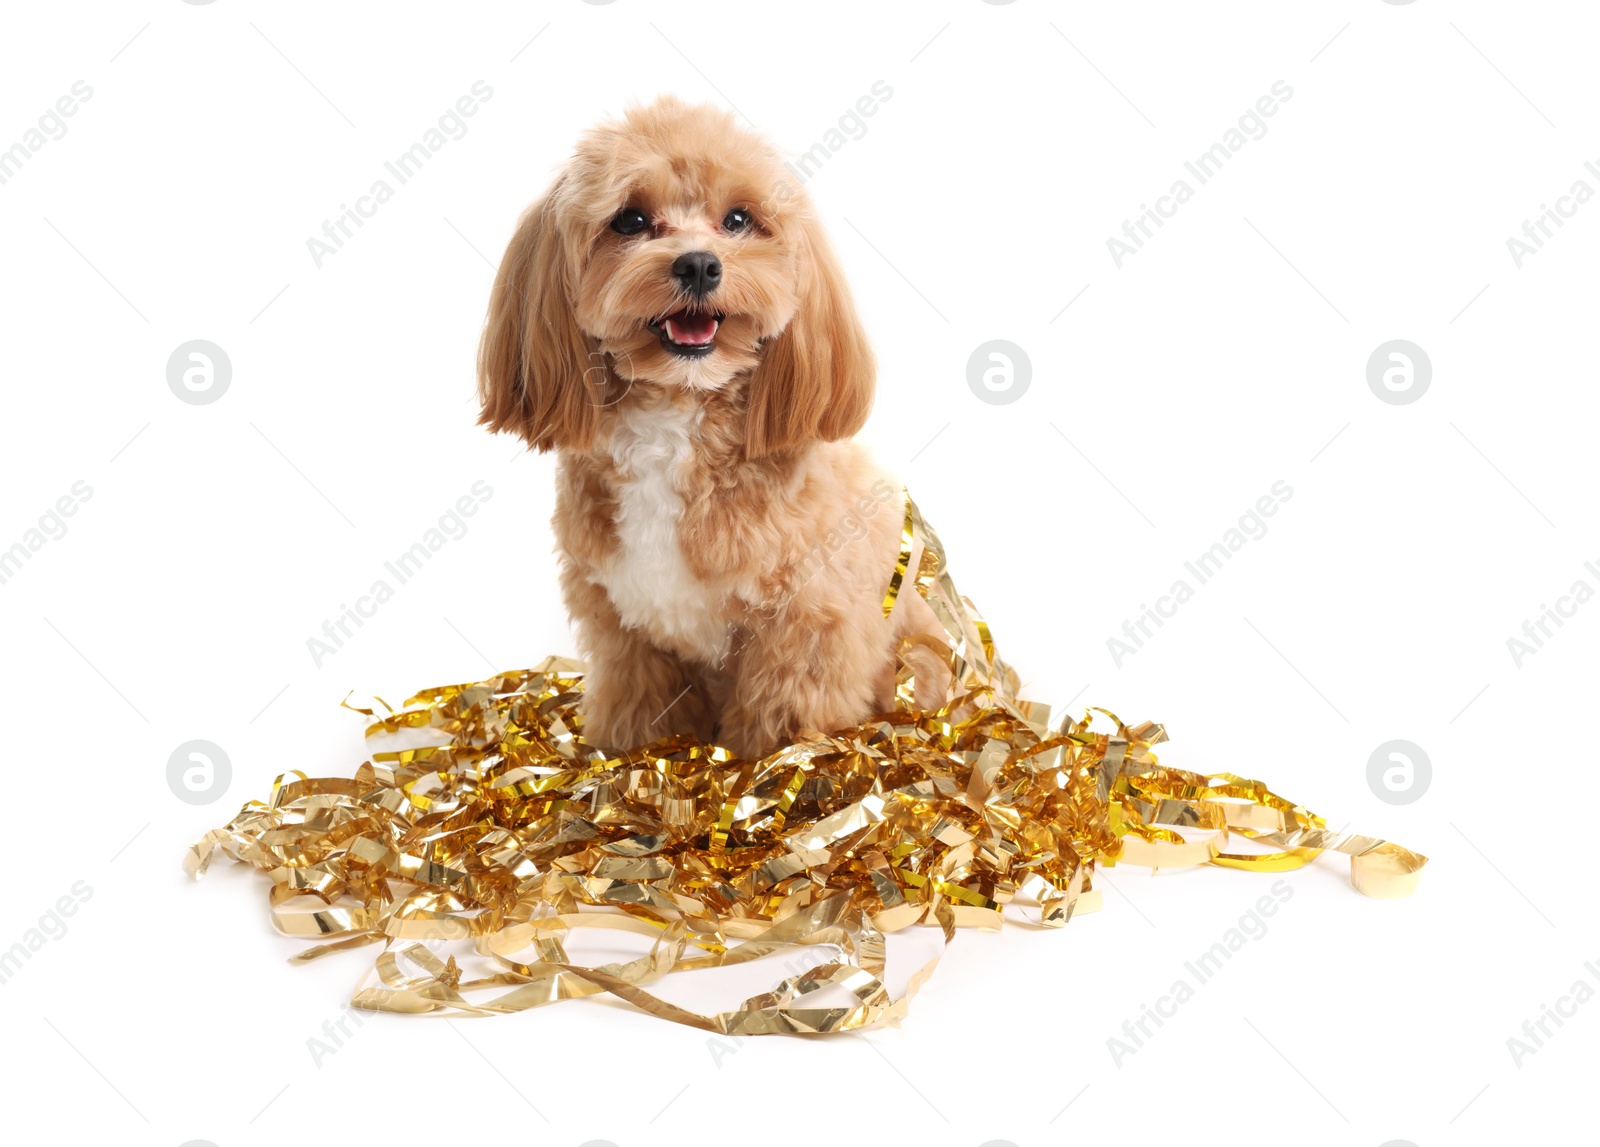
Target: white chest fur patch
x=647 y=578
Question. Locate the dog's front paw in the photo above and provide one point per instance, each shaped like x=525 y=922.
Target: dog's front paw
x=621 y=714
x=751 y=732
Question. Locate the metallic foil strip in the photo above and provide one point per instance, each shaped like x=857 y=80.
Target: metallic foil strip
x=511 y=834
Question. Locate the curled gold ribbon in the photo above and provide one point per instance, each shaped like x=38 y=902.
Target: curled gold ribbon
x=513 y=835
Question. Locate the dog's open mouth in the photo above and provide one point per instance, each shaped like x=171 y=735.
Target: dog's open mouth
x=691 y=334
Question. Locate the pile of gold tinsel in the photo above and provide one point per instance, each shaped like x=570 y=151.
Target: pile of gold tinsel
x=513 y=833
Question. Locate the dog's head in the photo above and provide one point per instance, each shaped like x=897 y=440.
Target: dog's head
x=676 y=249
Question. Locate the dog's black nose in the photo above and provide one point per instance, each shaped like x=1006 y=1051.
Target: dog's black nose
x=698 y=272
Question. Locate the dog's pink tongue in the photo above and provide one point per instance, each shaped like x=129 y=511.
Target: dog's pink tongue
x=691 y=330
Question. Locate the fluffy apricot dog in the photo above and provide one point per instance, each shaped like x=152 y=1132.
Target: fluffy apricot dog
x=670 y=319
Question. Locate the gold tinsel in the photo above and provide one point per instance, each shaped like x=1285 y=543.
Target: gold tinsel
x=513 y=833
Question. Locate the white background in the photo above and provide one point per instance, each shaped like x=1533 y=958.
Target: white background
x=1229 y=354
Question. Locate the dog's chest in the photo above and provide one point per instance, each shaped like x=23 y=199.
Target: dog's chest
x=646 y=577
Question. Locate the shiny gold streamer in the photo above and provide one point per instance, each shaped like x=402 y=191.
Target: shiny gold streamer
x=513 y=834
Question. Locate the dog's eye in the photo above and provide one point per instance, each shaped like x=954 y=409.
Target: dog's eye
x=737 y=220
x=629 y=221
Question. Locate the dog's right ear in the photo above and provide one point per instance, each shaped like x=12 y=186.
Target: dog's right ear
x=533 y=358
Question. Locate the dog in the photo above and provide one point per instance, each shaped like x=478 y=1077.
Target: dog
x=670 y=319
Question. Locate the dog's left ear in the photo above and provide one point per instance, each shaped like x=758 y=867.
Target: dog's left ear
x=816 y=378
